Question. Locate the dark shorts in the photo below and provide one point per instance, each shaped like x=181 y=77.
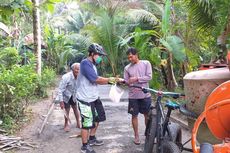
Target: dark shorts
x=137 y=106
x=91 y=113
x=70 y=102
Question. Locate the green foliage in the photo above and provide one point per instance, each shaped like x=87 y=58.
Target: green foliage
x=58 y=50
x=209 y=15
x=204 y=13
x=142 y=16
x=16 y=86
x=9 y=57
x=108 y=32
x=175 y=45
x=10 y=7
x=194 y=60
x=46 y=80
x=166 y=18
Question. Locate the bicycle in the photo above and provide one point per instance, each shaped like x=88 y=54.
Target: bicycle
x=167 y=135
x=159 y=130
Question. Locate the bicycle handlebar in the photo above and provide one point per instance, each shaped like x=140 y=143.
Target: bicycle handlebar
x=171 y=94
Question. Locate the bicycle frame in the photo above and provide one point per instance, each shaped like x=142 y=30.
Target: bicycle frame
x=162 y=124
x=162 y=119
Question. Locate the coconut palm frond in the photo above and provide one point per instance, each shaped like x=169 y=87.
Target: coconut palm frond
x=106 y=34
x=140 y=15
x=80 y=42
x=154 y=7
x=4 y=28
x=203 y=13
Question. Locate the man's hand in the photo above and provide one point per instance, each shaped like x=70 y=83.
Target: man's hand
x=120 y=80
x=132 y=80
x=114 y=80
x=62 y=104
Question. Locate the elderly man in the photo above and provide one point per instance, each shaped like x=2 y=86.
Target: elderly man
x=66 y=95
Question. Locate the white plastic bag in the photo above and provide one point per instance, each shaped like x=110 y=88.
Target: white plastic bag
x=115 y=93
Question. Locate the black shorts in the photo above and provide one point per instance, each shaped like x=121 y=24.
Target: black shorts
x=100 y=111
x=91 y=113
x=70 y=102
x=137 y=106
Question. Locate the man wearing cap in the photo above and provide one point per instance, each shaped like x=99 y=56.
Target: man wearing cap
x=90 y=106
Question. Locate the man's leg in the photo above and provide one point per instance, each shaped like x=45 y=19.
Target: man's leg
x=135 y=129
x=94 y=130
x=99 y=114
x=66 y=124
x=144 y=107
x=87 y=123
x=77 y=115
x=133 y=109
x=84 y=136
x=146 y=118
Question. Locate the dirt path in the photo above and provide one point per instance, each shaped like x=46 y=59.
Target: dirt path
x=116 y=131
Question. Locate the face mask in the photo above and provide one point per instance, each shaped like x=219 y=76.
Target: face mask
x=98 y=60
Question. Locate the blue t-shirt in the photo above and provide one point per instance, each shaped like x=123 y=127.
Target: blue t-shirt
x=87 y=89
x=88 y=69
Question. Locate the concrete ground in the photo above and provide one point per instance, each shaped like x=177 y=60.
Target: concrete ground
x=116 y=131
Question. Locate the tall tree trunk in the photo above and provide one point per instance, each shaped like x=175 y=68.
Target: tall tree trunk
x=221 y=41
x=37 y=34
x=172 y=83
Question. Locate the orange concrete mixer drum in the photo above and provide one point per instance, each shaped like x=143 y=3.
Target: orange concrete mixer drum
x=217 y=110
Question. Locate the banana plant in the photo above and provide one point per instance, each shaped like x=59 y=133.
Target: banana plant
x=173 y=46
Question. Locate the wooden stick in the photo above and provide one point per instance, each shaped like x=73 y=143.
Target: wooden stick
x=8 y=148
x=3 y=146
x=30 y=145
x=3 y=131
x=45 y=120
x=75 y=135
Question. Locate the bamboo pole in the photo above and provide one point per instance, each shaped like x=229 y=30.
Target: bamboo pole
x=45 y=120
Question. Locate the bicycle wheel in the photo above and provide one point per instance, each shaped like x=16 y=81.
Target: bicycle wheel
x=150 y=132
x=176 y=132
x=170 y=147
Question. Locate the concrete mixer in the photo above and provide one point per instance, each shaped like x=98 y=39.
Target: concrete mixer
x=198 y=85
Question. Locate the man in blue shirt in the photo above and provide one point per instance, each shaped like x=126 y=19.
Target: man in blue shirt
x=90 y=106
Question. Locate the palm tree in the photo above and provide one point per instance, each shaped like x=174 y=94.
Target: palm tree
x=209 y=15
x=107 y=28
x=37 y=34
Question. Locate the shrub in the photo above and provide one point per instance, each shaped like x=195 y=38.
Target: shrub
x=17 y=85
x=9 y=57
x=46 y=80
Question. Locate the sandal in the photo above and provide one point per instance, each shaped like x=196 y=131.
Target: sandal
x=137 y=142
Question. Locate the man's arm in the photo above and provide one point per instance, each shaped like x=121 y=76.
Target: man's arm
x=102 y=80
x=126 y=76
x=91 y=75
x=148 y=74
x=61 y=89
